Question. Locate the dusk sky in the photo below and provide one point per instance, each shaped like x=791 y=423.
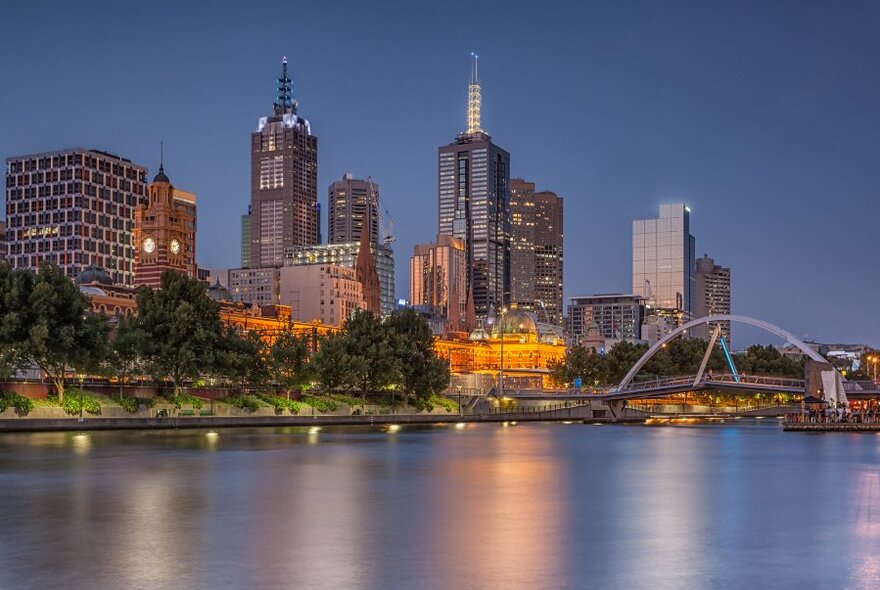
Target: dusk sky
x=764 y=117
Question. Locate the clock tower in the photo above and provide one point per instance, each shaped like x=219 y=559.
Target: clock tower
x=164 y=232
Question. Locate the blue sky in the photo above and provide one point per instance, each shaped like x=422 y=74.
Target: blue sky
x=764 y=117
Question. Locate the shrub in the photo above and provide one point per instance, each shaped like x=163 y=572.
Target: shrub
x=282 y=403
x=319 y=403
x=131 y=404
x=354 y=402
x=22 y=404
x=245 y=402
x=182 y=398
x=76 y=400
x=432 y=401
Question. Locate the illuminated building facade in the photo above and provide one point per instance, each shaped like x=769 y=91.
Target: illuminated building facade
x=284 y=209
x=528 y=349
x=346 y=255
x=438 y=280
x=536 y=252
x=713 y=296
x=474 y=205
x=664 y=268
x=325 y=293
x=74 y=208
x=164 y=232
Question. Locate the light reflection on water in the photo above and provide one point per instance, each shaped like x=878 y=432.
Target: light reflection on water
x=738 y=505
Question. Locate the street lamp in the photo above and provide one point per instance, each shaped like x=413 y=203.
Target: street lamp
x=490 y=319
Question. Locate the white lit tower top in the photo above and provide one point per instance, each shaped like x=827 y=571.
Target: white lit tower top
x=475 y=99
x=285 y=106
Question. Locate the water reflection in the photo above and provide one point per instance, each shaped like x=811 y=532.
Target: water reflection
x=471 y=506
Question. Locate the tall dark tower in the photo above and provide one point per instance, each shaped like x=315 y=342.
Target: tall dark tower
x=284 y=181
x=474 y=204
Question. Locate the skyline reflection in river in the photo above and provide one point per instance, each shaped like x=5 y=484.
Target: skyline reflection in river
x=485 y=506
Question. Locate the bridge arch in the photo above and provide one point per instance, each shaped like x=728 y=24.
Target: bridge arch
x=741 y=319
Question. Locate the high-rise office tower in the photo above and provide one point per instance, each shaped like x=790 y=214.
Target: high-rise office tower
x=712 y=296
x=284 y=181
x=164 y=232
x=347 y=200
x=74 y=208
x=664 y=269
x=438 y=280
x=246 y=239
x=474 y=204
x=536 y=254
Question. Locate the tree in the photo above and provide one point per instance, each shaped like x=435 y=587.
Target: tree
x=15 y=288
x=241 y=357
x=421 y=371
x=290 y=360
x=126 y=343
x=334 y=367
x=361 y=356
x=61 y=335
x=579 y=362
x=181 y=328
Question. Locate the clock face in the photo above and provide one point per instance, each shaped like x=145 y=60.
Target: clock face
x=149 y=245
x=175 y=247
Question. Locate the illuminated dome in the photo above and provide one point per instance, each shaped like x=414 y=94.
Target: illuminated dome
x=93 y=274
x=515 y=321
x=479 y=334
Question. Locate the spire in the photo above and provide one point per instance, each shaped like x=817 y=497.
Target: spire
x=474 y=98
x=161 y=177
x=284 y=102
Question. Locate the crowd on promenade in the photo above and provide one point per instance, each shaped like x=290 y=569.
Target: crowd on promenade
x=841 y=414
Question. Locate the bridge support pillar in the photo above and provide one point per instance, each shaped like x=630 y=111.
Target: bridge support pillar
x=616 y=409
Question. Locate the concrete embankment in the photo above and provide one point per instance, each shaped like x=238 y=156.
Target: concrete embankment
x=136 y=423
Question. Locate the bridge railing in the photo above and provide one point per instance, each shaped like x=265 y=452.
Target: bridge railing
x=709 y=379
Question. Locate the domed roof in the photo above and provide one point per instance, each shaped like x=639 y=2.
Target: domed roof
x=92 y=291
x=93 y=274
x=218 y=292
x=160 y=176
x=515 y=321
x=479 y=334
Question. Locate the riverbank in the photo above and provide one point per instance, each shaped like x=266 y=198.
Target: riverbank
x=578 y=413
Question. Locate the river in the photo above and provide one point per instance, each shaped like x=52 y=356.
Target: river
x=736 y=505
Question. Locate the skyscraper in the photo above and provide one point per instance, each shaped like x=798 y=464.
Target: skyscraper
x=284 y=181
x=438 y=280
x=75 y=208
x=664 y=269
x=712 y=296
x=246 y=239
x=164 y=232
x=536 y=251
x=474 y=204
x=347 y=199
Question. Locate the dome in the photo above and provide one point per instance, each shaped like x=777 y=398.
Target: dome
x=514 y=321
x=92 y=291
x=218 y=292
x=93 y=274
x=479 y=334
x=160 y=176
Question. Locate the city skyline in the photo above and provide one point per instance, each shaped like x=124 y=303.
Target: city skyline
x=664 y=157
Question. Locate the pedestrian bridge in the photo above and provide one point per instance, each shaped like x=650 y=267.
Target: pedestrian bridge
x=664 y=386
